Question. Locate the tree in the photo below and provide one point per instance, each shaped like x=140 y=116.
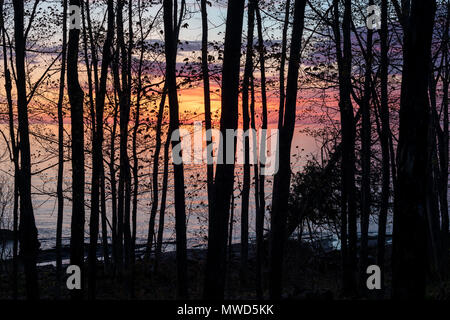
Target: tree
x=76 y=98
x=14 y=151
x=224 y=179
x=444 y=145
x=171 y=30
x=162 y=209
x=124 y=190
x=97 y=151
x=283 y=63
x=28 y=236
x=384 y=139
x=348 y=204
x=366 y=143
x=260 y=198
x=281 y=185
x=409 y=254
x=59 y=183
x=155 y=184
x=207 y=101
x=248 y=73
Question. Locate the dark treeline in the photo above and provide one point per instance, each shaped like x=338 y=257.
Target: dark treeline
x=372 y=84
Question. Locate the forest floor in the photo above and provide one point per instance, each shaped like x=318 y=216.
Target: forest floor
x=308 y=274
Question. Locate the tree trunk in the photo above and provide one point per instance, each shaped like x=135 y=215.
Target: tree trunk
x=224 y=179
x=365 y=159
x=162 y=209
x=444 y=149
x=348 y=192
x=283 y=63
x=261 y=207
x=97 y=152
x=155 y=183
x=230 y=228
x=207 y=101
x=76 y=97
x=409 y=254
x=281 y=186
x=248 y=73
x=104 y=221
x=15 y=155
x=124 y=173
x=28 y=236
x=112 y=173
x=384 y=140
x=59 y=184
x=171 y=38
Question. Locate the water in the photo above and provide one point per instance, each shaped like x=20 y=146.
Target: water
x=45 y=202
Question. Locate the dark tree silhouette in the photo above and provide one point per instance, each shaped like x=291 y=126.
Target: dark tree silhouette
x=155 y=174
x=444 y=142
x=281 y=185
x=171 y=31
x=224 y=179
x=28 y=236
x=348 y=192
x=283 y=63
x=59 y=183
x=162 y=209
x=259 y=191
x=384 y=139
x=97 y=152
x=14 y=153
x=409 y=254
x=248 y=73
x=76 y=97
x=366 y=143
x=124 y=190
x=207 y=101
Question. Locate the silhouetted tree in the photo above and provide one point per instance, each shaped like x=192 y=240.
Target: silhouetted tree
x=224 y=179
x=97 y=152
x=281 y=185
x=348 y=192
x=171 y=31
x=409 y=254
x=259 y=191
x=28 y=236
x=248 y=73
x=207 y=101
x=76 y=97
x=366 y=143
x=14 y=152
x=384 y=139
x=59 y=183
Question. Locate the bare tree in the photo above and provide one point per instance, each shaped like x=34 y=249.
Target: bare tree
x=260 y=198
x=171 y=31
x=59 y=183
x=283 y=63
x=384 y=138
x=97 y=151
x=366 y=143
x=76 y=98
x=281 y=185
x=155 y=184
x=224 y=179
x=348 y=192
x=14 y=151
x=162 y=209
x=248 y=73
x=29 y=244
x=410 y=253
x=207 y=101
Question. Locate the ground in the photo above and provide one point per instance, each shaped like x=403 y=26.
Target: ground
x=309 y=274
